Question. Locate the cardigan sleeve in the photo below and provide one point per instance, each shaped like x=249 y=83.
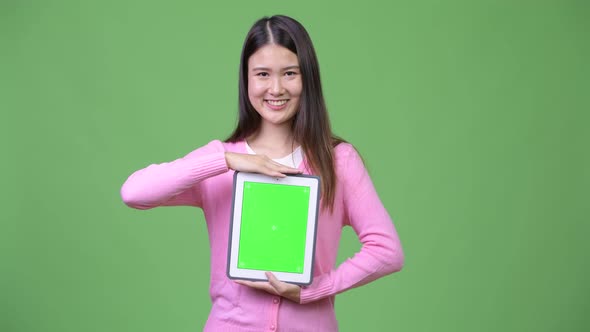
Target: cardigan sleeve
x=176 y=182
x=381 y=252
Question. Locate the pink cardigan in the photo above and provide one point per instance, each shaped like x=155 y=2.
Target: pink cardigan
x=202 y=179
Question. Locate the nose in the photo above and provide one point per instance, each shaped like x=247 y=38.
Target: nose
x=276 y=87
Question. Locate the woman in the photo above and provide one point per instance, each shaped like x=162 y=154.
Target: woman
x=283 y=129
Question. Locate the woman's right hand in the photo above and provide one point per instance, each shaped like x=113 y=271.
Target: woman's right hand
x=256 y=163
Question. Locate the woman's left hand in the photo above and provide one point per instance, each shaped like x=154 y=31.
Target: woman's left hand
x=275 y=286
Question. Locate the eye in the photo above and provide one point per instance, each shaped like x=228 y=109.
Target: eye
x=262 y=74
x=290 y=73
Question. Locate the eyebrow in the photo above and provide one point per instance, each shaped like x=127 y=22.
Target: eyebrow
x=268 y=69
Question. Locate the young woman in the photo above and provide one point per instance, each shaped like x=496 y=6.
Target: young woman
x=283 y=129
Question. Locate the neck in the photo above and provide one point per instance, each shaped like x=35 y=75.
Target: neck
x=273 y=141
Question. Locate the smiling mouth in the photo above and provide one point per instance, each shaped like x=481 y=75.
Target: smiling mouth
x=277 y=102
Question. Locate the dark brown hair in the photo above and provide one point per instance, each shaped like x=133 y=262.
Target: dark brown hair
x=311 y=125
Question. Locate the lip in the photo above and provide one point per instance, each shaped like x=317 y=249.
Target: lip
x=273 y=107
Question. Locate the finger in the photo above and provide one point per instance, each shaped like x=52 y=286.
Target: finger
x=270 y=170
x=255 y=284
x=286 y=169
x=275 y=174
x=274 y=282
x=261 y=285
x=242 y=282
x=292 y=171
x=248 y=283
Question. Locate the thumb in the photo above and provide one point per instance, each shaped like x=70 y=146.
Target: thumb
x=274 y=282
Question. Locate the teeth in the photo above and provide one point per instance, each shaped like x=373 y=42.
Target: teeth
x=276 y=102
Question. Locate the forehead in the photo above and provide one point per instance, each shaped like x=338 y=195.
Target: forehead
x=272 y=56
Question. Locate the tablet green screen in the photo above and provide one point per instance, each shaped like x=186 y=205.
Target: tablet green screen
x=273 y=228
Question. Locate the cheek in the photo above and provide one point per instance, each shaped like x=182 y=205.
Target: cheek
x=255 y=89
x=252 y=94
x=296 y=88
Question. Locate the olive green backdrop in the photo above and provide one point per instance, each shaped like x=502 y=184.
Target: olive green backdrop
x=472 y=117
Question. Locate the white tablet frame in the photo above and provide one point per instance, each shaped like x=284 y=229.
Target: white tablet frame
x=233 y=271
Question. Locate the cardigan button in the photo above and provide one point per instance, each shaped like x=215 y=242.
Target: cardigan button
x=275 y=300
x=272 y=327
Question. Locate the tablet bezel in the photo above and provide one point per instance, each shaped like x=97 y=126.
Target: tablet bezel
x=233 y=271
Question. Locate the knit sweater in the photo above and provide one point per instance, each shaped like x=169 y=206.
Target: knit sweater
x=203 y=179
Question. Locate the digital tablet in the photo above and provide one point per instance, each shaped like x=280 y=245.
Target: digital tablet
x=273 y=227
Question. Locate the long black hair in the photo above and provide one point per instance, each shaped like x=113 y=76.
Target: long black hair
x=311 y=124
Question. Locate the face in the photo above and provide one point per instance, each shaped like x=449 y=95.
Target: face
x=274 y=83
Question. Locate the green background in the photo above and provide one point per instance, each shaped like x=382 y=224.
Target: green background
x=273 y=227
x=472 y=117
